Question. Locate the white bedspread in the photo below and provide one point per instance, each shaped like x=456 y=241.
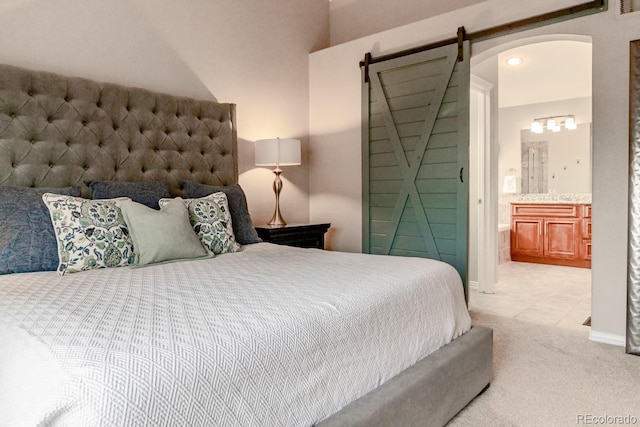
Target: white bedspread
x=270 y=336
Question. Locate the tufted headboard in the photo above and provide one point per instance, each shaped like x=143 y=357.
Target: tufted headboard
x=57 y=131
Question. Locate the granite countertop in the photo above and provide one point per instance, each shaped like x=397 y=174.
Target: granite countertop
x=555 y=198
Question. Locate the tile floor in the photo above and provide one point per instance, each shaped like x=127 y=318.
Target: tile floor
x=539 y=293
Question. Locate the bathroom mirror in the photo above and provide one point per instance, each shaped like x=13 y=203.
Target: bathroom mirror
x=557 y=162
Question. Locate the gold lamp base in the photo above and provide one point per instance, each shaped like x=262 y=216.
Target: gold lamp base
x=276 y=218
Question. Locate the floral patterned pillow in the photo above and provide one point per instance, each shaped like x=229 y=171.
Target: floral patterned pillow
x=211 y=220
x=90 y=233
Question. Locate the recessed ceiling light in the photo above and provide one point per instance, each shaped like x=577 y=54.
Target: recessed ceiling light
x=514 y=60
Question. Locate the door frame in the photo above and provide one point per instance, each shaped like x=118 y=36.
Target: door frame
x=487 y=180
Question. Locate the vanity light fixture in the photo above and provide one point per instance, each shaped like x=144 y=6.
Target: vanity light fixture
x=553 y=123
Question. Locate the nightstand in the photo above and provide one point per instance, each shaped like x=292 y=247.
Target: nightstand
x=300 y=235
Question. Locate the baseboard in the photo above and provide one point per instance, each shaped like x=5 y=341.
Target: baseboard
x=607 y=338
x=475 y=286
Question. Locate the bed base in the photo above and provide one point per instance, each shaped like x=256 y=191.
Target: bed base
x=429 y=393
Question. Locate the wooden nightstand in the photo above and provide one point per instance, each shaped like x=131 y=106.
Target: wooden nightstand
x=300 y=235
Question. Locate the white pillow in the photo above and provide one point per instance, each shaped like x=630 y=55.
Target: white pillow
x=163 y=235
x=211 y=220
x=90 y=233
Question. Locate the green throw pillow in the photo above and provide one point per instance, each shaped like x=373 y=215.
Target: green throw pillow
x=163 y=235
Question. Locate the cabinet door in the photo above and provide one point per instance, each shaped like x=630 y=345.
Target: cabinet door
x=562 y=238
x=586 y=229
x=526 y=236
x=586 y=250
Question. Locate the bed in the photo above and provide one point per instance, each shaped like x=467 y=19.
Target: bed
x=259 y=334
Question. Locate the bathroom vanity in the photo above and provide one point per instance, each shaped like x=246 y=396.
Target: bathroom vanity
x=551 y=232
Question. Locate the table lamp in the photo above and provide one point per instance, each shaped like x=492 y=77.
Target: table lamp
x=277 y=152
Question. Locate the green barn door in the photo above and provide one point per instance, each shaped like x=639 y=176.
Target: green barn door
x=416 y=155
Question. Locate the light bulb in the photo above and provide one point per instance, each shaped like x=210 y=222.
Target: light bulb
x=536 y=127
x=551 y=124
x=514 y=61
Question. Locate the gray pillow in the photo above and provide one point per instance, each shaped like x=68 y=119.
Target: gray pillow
x=240 y=219
x=163 y=235
x=146 y=192
x=27 y=240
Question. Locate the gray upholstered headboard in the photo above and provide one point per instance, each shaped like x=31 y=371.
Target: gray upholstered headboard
x=57 y=131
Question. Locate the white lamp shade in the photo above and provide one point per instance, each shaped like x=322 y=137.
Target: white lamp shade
x=570 y=123
x=537 y=127
x=277 y=152
x=551 y=124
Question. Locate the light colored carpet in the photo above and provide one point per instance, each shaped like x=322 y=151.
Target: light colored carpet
x=549 y=376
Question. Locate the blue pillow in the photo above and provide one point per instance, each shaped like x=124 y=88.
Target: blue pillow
x=240 y=219
x=144 y=192
x=27 y=240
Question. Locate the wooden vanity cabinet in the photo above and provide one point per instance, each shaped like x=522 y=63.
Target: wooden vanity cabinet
x=557 y=234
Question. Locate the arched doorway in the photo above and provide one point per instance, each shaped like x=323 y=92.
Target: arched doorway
x=555 y=75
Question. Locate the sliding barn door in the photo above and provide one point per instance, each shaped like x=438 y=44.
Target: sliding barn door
x=416 y=155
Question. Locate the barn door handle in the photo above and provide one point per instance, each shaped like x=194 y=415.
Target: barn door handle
x=461 y=169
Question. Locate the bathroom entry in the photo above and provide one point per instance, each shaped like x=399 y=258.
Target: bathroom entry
x=544 y=76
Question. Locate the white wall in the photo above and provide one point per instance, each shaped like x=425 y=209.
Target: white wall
x=252 y=53
x=569 y=163
x=550 y=71
x=352 y=19
x=335 y=125
x=514 y=119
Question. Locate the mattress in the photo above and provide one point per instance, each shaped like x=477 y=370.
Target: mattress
x=269 y=336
